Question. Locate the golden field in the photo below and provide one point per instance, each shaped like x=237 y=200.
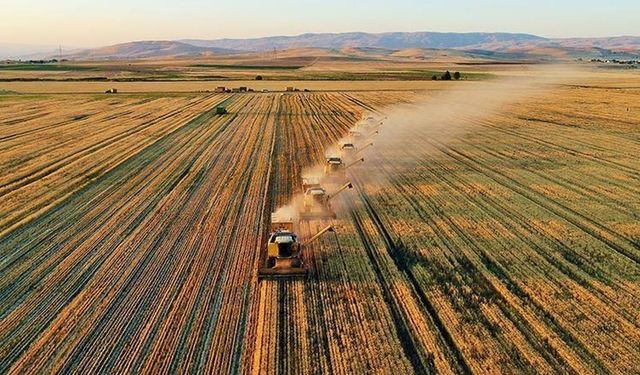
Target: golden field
x=486 y=233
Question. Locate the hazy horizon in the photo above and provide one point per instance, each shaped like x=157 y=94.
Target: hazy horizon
x=50 y=45
x=72 y=23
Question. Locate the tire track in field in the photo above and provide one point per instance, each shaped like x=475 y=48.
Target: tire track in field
x=571 y=151
x=457 y=361
x=519 y=223
x=480 y=280
x=125 y=167
x=44 y=170
x=614 y=240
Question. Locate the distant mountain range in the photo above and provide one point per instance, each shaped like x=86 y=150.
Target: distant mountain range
x=397 y=40
x=489 y=45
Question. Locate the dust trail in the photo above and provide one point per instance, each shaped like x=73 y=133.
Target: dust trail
x=442 y=117
x=399 y=135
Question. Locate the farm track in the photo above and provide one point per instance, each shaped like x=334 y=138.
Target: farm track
x=130 y=231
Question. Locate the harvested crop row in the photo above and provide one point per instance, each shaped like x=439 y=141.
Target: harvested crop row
x=149 y=265
x=475 y=197
x=81 y=154
x=484 y=253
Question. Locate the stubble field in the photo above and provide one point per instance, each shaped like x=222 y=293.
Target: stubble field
x=130 y=227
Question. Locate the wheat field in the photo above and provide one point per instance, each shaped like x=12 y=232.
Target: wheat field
x=131 y=226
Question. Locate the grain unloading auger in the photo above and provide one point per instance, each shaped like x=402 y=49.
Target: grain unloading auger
x=316 y=203
x=363 y=148
x=283 y=258
x=375 y=132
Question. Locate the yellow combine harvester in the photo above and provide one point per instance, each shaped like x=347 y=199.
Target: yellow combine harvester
x=283 y=255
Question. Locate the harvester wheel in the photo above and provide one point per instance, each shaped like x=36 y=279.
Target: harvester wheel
x=271 y=262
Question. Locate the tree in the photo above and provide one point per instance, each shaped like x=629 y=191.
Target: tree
x=258 y=78
x=434 y=77
x=446 y=76
x=456 y=75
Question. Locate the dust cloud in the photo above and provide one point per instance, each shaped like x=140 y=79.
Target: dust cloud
x=403 y=136
x=410 y=131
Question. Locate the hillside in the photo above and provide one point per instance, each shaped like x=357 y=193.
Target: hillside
x=144 y=50
x=393 y=40
x=485 y=45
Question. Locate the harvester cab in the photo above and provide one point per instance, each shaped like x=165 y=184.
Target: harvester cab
x=335 y=169
x=371 y=122
x=283 y=258
x=282 y=244
x=348 y=149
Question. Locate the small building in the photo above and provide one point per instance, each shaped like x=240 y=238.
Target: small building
x=243 y=89
x=220 y=89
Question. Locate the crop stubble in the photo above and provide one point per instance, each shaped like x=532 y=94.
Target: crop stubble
x=130 y=228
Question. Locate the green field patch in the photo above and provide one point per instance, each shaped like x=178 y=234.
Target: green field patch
x=46 y=67
x=249 y=67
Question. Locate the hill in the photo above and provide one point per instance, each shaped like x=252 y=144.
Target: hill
x=392 y=40
x=145 y=50
x=394 y=44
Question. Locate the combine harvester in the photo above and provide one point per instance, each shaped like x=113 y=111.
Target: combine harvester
x=350 y=149
x=283 y=253
x=355 y=134
x=371 y=122
x=317 y=203
x=335 y=168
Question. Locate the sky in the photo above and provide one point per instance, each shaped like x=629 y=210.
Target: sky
x=76 y=23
